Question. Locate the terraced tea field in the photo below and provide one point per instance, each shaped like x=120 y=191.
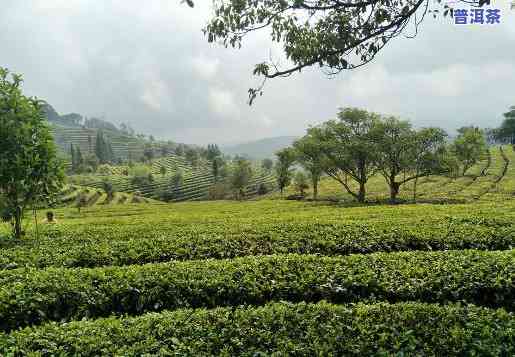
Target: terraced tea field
x=196 y=180
x=263 y=277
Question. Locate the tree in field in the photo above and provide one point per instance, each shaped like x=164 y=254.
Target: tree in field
x=192 y=156
x=162 y=170
x=283 y=167
x=148 y=153
x=212 y=152
x=177 y=180
x=301 y=183
x=103 y=149
x=403 y=150
x=240 y=177
x=267 y=164
x=30 y=171
x=179 y=150
x=429 y=155
x=216 y=166
x=334 y=35
x=91 y=163
x=77 y=159
x=350 y=148
x=506 y=132
x=81 y=201
x=108 y=188
x=310 y=155
x=469 y=147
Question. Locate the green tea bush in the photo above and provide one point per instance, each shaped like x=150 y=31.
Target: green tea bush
x=281 y=329
x=29 y=296
x=147 y=242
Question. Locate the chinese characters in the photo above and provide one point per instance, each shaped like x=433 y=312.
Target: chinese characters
x=477 y=16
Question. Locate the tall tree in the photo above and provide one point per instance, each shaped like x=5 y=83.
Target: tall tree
x=240 y=177
x=267 y=164
x=506 y=133
x=403 y=150
x=335 y=35
x=103 y=149
x=469 y=147
x=310 y=155
x=216 y=166
x=350 y=148
x=283 y=167
x=212 y=152
x=29 y=168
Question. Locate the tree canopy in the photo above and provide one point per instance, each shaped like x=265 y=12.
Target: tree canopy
x=29 y=168
x=335 y=35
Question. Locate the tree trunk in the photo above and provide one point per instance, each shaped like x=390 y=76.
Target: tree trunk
x=36 y=223
x=17 y=222
x=394 y=191
x=361 y=193
x=415 y=189
x=315 y=190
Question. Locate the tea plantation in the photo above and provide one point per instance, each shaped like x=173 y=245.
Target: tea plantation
x=263 y=277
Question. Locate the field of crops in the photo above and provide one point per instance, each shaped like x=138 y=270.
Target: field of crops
x=258 y=277
x=196 y=180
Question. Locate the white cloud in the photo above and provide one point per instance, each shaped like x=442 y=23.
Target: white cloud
x=156 y=95
x=222 y=103
x=205 y=67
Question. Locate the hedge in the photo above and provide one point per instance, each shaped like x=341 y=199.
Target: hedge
x=121 y=244
x=280 y=329
x=29 y=296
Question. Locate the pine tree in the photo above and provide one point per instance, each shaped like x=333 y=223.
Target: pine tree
x=74 y=158
x=79 y=160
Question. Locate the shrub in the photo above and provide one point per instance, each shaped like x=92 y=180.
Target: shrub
x=281 y=329
x=33 y=296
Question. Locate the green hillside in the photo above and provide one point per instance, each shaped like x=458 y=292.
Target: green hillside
x=124 y=147
x=196 y=180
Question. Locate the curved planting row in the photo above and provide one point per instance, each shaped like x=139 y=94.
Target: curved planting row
x=141 y=243
x=29 y=296
x=281 y=329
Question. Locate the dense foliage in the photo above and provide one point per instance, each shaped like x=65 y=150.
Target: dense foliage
x=281 y=328
x=30 y=171
x=32 y=296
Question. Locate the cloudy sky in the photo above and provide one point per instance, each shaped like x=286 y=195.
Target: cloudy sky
x=148 y=63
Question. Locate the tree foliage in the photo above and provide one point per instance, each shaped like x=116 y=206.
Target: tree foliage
x=335 y=35
x=30 y=171
x=283 y=167
x=350 y=148
x=240 y=177
x=469 y=147
x=103 y=149
x=506 y=132
x=310 y=155
x=403 y=150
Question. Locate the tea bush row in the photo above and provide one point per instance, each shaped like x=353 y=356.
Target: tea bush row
x=30 y=296
x=146 y=243
x=282 y=329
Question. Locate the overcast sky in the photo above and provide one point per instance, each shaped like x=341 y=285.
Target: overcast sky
x=148 y=63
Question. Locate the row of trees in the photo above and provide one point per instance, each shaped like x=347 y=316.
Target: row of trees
x=360 y=144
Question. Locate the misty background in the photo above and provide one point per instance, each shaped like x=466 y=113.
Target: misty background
x=149 y=64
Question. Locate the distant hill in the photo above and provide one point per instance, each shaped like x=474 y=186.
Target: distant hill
x=260 y=149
